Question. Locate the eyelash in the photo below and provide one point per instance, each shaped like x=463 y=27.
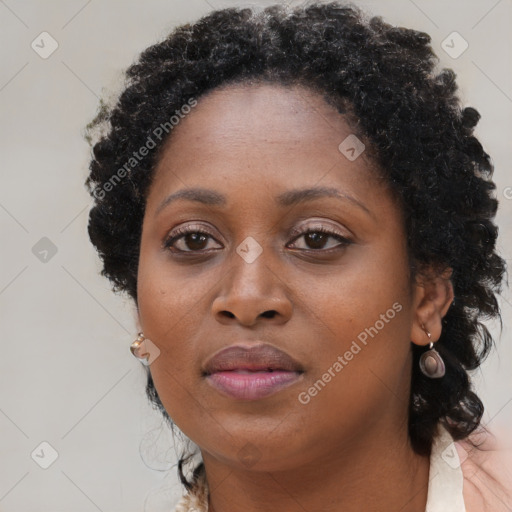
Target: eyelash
x=296 y=234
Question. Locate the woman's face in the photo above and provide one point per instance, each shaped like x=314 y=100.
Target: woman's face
x=340 y=307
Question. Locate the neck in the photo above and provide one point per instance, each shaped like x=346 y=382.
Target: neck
x=368 y=473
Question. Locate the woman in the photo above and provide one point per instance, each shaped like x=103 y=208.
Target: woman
x=296 y=203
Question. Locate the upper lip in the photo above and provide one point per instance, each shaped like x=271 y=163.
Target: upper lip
x=262 y=356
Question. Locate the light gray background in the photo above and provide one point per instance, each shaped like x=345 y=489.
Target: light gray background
x=68 y=377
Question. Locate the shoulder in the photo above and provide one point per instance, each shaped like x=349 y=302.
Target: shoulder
x=190 y=503
x=196 y=499
x=486 y=463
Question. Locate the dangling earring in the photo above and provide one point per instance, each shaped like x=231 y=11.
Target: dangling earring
x=138 y=349
x=431 y=363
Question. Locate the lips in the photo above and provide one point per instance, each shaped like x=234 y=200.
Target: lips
x=251 y=358
x=251 y=372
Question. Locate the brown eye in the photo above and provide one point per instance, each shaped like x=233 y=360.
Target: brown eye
x=316 y=239
x=195 y=241
x=188 y=240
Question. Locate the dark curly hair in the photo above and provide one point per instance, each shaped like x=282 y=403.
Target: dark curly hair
x=384 y=79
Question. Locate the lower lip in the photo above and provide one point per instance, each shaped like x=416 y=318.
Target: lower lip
x=251 y=386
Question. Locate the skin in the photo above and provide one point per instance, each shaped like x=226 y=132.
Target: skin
x=348 y=447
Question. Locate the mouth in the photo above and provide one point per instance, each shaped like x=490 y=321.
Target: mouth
x=251 y=372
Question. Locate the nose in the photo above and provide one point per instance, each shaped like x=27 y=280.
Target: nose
x=250 y=291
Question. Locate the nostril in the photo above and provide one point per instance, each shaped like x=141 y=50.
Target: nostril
x=269 y=314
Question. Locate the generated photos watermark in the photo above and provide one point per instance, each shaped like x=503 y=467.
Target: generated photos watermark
x=158 y=133
x=356 y=346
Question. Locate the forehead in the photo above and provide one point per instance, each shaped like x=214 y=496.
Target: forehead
x=260 y=113
x=243 y=134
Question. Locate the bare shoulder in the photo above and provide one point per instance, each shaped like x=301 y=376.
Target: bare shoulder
x=486 y=463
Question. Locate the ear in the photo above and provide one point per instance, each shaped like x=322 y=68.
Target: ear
x=433 y=295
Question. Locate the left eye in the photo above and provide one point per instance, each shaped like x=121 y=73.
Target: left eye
x=317 y=239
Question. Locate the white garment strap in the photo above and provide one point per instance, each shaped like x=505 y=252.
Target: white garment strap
x=446 y=480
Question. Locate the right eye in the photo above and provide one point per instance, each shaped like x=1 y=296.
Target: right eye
x=191 y=237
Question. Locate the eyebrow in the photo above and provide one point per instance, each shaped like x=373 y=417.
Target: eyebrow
x=289 y=198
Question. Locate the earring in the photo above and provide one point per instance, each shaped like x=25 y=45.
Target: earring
x=431 y=363
x=138 y=349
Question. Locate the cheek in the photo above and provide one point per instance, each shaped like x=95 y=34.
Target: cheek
x=168 y=310
x=363 y=316
x=168 y=293
x=361 y=366
x=170 y=320
x=369 y=296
